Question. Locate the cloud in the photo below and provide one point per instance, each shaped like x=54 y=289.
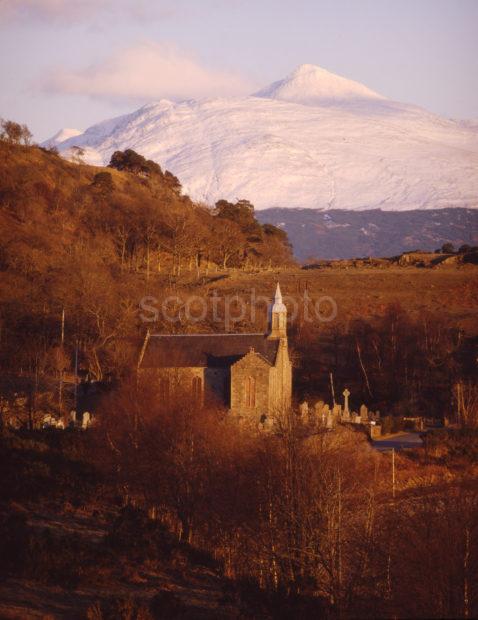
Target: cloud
x=72 y=11
x=148 y=71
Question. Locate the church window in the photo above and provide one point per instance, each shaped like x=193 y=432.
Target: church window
x=197 y=389
x=250 y=392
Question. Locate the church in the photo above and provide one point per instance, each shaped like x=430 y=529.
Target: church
x=249 y=374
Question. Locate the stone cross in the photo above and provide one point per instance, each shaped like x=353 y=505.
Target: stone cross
x=346 y=394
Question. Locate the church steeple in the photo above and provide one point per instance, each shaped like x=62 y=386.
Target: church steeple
x=278 y=317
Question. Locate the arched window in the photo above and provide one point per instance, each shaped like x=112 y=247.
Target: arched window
x=250 y=389
x=197 y=389
x=164 y=390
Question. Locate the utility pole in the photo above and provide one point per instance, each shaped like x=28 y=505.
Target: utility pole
x=63 y=327
x=331 y=376
x=393 y=473
x=76 y=379
x=61 y=359
x=389 y=556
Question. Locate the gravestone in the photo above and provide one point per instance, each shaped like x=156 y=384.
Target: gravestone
x=48 y=421
x=86 y=421
x=364 y=414
x=337 y=412
x=318 y=412
x=304 y=409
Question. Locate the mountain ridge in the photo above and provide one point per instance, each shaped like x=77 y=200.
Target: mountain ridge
x=341 y=234
x=350 y=153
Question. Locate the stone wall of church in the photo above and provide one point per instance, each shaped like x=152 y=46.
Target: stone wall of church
x=180 y=380
x=280 y=388
x=251 y=365
x=215 y=383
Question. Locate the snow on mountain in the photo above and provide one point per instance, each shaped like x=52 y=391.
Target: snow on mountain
x=61 y=136
x=313 y=140
x=311 y=85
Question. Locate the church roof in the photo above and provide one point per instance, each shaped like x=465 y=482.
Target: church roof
x=204 y=350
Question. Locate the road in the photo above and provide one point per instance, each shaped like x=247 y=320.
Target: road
x=398 y=441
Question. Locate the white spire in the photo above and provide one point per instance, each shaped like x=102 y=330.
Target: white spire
x=278 y=296
x=278 y=303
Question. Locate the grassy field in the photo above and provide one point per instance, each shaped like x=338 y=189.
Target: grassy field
x=451 y=292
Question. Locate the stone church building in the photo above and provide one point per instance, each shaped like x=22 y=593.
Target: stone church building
x=250 y=374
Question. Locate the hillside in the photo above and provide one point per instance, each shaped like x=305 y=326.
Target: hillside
x=90 y=532
x=93 y=242
x=338 y=233
x=312 y=140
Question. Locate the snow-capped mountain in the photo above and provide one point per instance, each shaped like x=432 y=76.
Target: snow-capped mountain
x=311 y=85
x=61 y=136
x=312 y=140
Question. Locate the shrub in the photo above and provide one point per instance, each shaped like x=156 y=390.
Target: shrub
x=131 y=161
x=103 y=183
x=14 y=133
x=457 y=443
x=447 y=248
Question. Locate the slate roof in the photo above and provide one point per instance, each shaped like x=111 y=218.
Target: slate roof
x=204 y=350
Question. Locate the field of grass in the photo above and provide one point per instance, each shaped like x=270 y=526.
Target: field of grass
x=364 y=292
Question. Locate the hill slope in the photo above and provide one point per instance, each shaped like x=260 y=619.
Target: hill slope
x=93 y=242
x=348 y=234
x=312 y=140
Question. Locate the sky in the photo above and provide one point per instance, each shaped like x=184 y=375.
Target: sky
x=71 y=63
